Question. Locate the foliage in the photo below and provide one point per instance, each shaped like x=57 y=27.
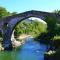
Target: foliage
x=3 y=12
x=51 y=22
x=14 y=13
x=51 y=25
x=57 y=11
x=33 y=28
x=57 y=29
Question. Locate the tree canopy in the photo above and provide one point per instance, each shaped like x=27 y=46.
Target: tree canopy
x=4 y=12
x=33 y=28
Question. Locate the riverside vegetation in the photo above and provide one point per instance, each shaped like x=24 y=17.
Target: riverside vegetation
x=49 y=34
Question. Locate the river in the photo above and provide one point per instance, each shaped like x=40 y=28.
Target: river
x=30 y=50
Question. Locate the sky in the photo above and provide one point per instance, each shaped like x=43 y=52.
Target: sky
x=26 y=5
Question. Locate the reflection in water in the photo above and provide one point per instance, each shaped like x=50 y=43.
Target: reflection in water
x=7 y=55
x=31 y=50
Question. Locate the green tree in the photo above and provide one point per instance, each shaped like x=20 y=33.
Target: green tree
x=33 y=28
x=57 y=11
x=51 y=22
x=14 y=13
x=3 y=12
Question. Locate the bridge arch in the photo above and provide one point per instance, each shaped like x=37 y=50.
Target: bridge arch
x=16 y=19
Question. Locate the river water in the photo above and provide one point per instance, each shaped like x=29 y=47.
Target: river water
x=30 y=50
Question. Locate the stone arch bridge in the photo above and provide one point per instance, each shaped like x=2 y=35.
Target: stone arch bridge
x=11 y=21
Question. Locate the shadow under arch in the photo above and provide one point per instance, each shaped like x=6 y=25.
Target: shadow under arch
x=14 y=21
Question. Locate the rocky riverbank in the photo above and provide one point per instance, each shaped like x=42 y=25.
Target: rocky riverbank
x=16 y=42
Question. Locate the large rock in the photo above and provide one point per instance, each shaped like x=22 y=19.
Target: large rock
x=14 y=42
